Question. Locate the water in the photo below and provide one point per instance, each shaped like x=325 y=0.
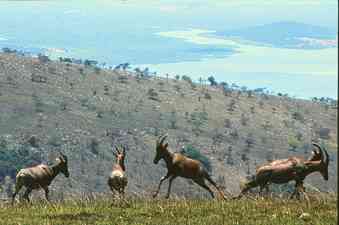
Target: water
x=116 y=32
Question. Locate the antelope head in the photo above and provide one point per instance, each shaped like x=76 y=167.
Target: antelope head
x=161 y=149
x=63 y=164
x=323 y=160
x=120 y=155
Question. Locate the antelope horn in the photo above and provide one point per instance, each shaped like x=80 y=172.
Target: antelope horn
x=327 y=157
x=117 y=149
x=163 y=138
x=64 y=157
x=158 y=140
x=114 y=153
x=320 y=151
x=124 y=150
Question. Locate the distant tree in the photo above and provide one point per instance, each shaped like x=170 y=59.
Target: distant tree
x=125 y=66
x=186 y=78
x=145 y=72
x=7 y=50
x=43 y=58
x=177 y=77
x=212 y=81
x=243 y=88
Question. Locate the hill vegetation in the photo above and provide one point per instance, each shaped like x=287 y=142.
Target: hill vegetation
x=82 y=110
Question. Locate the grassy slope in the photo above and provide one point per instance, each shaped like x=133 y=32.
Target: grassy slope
x=74 y=108
x=197 y=212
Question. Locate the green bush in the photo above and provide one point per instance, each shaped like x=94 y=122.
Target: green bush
x=194 y=153
x=14 y=157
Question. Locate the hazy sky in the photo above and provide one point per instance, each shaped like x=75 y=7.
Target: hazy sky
x=239 y=12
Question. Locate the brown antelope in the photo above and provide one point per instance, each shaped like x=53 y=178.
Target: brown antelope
x=179 y=165
x=39 y=176
x=285 y=170
x=117 y=181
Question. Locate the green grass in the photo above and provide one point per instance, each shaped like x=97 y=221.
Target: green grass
x=197 y=212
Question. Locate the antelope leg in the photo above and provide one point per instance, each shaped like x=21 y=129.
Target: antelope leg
x=46 y=193
x=201 y=182
x=169 y=186
x=161 y=180
x=216 y=186
x=17 y=189
x=26 y=194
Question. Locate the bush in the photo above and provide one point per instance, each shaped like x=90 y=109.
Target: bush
x=298 y=116
x=14 y=157
x=208 y=96
x=293 y=143
x=198 y=119
x=324 y=133
x=153 y=95
x=194 y=153
x=212 y=81
x=186 y=78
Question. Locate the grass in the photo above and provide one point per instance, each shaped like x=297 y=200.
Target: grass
x=266 y=211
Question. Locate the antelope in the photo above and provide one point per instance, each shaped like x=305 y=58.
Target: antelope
x=117 y=181
x=179 y=165
x=291 y=169
x=39 y=176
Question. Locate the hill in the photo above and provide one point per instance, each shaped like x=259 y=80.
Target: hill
x=50 y=106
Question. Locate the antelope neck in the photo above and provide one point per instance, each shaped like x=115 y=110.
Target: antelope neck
x=168 y=157
x=312 y=166
x=55 y=170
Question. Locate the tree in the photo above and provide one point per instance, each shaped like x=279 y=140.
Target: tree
x=194 y=153
x=212 y=81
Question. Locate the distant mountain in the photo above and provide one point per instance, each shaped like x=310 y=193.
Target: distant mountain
x=287 y=34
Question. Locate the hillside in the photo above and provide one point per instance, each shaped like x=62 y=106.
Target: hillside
x=46 y=107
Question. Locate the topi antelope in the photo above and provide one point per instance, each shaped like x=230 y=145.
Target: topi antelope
x=118 y=179
x=39 y=176
x=179 y=165
x=285 y=170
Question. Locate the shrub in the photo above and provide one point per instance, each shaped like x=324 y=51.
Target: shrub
x=293 y=143
x=153 y=95
x=324 y=133
x=186 y=78
x=194 y=153
x=198 y=119
x=212 y=81
x=208 y=96
x=298 y=116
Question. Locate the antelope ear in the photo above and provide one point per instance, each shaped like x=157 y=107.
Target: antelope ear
x=166 y=145
x=58 y=159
